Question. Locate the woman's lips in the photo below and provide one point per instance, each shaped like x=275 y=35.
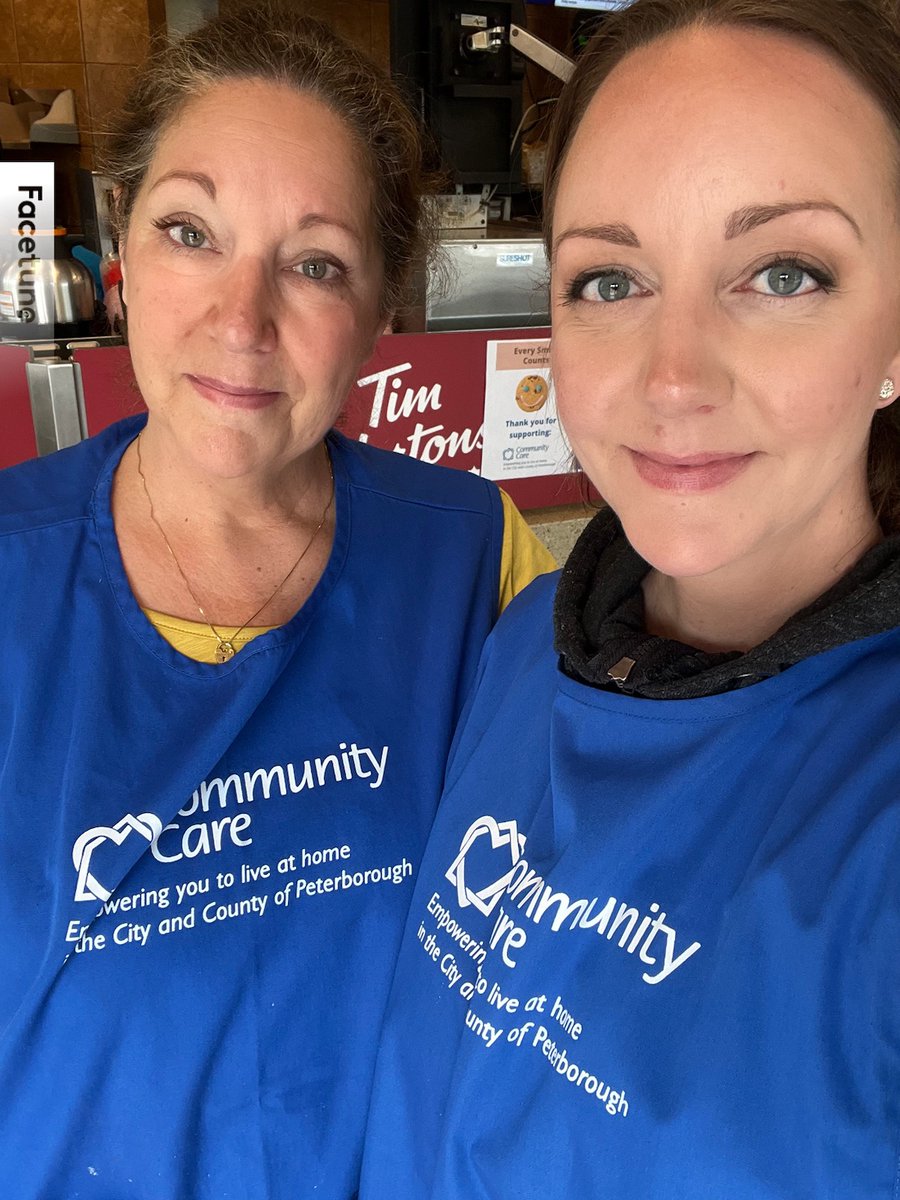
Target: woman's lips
x=231 y=395
x=693 y=473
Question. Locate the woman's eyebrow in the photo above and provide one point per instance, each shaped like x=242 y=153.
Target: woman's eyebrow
x=307 y=222
x=311 y=220
x=619 y=235
x=192 y=177
x=743 y=220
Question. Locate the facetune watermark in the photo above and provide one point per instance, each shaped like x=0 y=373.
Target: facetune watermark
x=26 y=241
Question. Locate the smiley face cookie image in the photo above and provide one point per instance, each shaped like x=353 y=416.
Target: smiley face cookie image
x=531 y=393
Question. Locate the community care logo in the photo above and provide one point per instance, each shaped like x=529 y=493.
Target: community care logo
x=507 y=846
x=88 y=886
x=494 y=850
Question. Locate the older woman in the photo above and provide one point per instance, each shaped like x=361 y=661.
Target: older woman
x=233 y=646
x=652 y=953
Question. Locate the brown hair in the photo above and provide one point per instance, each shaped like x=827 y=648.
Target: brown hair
x=276 y=44
x=861 y=35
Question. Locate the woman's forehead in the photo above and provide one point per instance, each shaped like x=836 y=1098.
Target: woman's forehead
x=280 y=121
x=724 y=105
x=253 y=138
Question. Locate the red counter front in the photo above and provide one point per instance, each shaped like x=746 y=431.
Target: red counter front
x=16 y=427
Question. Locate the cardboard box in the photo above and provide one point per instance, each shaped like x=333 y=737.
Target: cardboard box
x=36 y=115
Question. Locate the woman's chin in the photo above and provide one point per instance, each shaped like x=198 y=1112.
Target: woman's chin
x=682 y=553
x=213 y=450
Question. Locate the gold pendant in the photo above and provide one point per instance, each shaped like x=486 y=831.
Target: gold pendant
x=224 y=651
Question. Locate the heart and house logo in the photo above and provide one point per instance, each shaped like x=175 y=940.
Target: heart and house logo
x=496 y=857
x=88 y=886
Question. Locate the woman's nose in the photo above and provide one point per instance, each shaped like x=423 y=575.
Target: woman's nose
x=684 y=370
x=244 y=312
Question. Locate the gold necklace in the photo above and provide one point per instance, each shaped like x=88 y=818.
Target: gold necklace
x=226 y=649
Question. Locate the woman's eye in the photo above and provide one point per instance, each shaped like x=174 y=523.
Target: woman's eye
x=785 y=279
x=605 y=288
x=317 y=268
x=187 y=235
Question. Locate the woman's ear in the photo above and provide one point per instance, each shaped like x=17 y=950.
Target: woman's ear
x=890 y=385
x=117 y=196
x=123 y=282
x=384 y=326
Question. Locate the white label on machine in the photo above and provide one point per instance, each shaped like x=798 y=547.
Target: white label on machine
x=517 y=258
x=470 y=21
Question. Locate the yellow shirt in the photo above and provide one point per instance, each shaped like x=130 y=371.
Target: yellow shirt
x=522 y=559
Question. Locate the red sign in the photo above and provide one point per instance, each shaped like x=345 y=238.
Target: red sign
x=422 y=394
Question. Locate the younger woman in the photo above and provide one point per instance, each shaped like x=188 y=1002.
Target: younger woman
x=652 y=953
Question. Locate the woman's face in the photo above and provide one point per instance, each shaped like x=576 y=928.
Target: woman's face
x=252 y=277
x=726 y=298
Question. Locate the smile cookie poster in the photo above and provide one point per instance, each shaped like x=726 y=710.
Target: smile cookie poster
x=522 y=434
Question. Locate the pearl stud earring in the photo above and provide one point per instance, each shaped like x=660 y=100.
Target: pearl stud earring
x=887 y=389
